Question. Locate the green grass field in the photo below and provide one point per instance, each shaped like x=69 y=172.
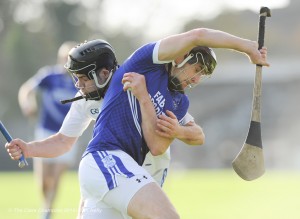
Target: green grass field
x=196 y=194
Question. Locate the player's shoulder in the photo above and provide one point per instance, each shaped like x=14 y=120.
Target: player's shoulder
x=146 y=47
x=180 y=98
x=93 y=108
x=81 y=103
x=180 y=104
x=87 y=104
x=142 y=51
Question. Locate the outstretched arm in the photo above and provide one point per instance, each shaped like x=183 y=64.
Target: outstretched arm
x=52 y=146
x=178 y=45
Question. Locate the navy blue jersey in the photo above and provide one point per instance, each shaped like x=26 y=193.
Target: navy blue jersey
x=55 y=85
x=118 y=127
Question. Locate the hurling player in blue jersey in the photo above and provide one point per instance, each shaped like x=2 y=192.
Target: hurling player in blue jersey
x=54 y=83
x=92 y=64
x=128 y=125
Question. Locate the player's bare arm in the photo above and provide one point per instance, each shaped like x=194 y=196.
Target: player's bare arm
x=52 y=146
x=157 y=144
x=169 y=127
x=178 y=45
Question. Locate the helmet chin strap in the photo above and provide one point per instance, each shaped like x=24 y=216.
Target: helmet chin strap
x=183 y=62
x=96 y=79
x=175 y=85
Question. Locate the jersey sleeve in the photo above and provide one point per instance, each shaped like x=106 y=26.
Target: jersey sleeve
x=187 y=118
x=156 y=53
x=76 y=121
x=180 y=108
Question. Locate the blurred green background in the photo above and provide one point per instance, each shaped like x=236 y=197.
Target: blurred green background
x=196 y=194
x=31 y=32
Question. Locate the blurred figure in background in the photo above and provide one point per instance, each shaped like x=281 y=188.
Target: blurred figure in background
x=50 y=85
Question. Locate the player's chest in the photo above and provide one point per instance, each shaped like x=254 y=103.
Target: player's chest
x=163 y=99
x=93 y=109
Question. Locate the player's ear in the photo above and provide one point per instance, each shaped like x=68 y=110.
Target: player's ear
x=105 y=72
x=178 y=62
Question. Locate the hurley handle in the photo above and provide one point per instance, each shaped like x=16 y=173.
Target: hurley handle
x=263 y=14
x=22 y=160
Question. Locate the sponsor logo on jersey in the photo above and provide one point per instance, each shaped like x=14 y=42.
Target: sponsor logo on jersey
x=158 y=101
x=94 y=111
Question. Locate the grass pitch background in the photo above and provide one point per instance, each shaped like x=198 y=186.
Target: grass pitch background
x=195 y=194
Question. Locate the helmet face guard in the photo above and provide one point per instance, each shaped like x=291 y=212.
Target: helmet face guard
x=89 y=58
x=208 y=58
x=201 y=55
x=96 y=93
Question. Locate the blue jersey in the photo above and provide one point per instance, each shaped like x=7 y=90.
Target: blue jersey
x=118 y=127
x=55 y=85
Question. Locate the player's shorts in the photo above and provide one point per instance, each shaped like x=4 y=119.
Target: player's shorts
x=68 y=158
x=112 y=178
x=158 y=166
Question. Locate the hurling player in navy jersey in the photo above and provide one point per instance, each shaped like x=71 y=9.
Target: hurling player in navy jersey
x=128 y=125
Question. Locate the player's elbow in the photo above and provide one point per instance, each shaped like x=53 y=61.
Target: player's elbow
x=159 y=148
x=197 y=35
x=200 y=140
x=68 y=147
x=157 y=151
x=65 y=141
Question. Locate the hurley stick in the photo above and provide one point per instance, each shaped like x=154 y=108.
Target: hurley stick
x=249 y=163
